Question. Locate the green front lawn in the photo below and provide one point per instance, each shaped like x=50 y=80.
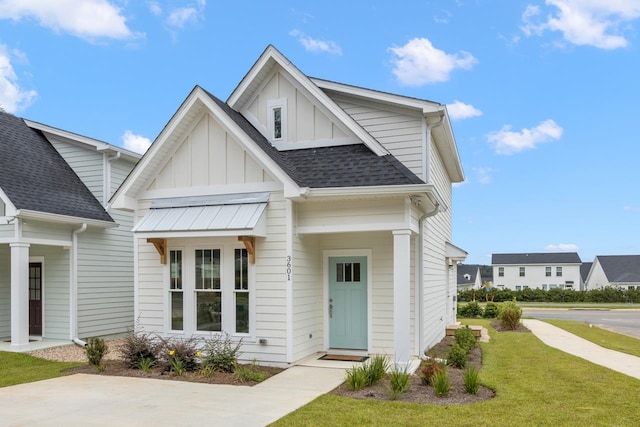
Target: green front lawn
x=535 y=385
x=602 y=337
x=18 y=368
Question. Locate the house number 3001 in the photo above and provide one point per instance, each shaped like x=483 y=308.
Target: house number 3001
x=289 y=267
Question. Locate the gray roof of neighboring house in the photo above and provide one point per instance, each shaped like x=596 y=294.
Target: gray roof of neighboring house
x=536 y=258
x=585 y=268
x=471 y=269
x=620 y=268
x=338 y=166
x=34 y=176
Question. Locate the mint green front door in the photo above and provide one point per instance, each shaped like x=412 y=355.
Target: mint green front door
x=348 y=302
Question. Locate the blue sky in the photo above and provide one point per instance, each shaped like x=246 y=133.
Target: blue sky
x=543 y=94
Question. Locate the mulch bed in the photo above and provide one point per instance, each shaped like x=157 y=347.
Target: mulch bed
x=120 y=368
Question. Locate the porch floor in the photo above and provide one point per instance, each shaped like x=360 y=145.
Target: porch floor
x=39 y=344
x=314 y=361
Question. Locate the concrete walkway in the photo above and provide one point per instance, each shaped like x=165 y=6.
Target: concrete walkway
x=572 y=344
x=92 y=400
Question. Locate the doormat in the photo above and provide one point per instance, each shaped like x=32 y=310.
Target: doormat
x=343 y=358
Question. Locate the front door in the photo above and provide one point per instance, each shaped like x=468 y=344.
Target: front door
x=348 y=302
x=35 y=298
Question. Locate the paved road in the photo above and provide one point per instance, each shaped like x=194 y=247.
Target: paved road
x=622 y=321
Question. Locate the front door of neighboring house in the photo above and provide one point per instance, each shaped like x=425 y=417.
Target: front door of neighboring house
x=348 y=302
x=35 y=298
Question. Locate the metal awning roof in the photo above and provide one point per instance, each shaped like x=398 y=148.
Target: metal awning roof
x=224 y=215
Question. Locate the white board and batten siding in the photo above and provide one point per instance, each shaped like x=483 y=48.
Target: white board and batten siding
x=304 y=121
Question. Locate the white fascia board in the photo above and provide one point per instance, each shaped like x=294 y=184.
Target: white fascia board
x=449 y=148
x=422 y=105
x=349 y=228
x=94 y=143
x=124 y=203
x=63 y=219
x=271 y=53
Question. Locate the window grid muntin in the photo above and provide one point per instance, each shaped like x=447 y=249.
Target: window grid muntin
x=348 y=272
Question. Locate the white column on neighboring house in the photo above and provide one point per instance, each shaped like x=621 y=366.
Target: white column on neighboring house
x=401 y=296
x=19 y=294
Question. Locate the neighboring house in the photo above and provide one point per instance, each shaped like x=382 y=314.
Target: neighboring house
x=469 y=277
x=301 y=216
x=66 y=264
x=585 y=269
x=544 y=271
x=618 y=271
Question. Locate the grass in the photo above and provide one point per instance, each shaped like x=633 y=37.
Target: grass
x=535 y=385
x=18 y=368
x=602 y=337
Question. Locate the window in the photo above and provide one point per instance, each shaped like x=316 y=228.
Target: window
x=176 y=295
x=630 y=288
x=208 y=292
x=277 y=119
x=241 y=290
x=518 y=288
x=559 y=271
x=521 y=271
x=547 y=271
x=2 y=208
x=500 y=271
x=347 y=272
x=544 y=287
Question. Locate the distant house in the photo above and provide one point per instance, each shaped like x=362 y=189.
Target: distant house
x=469 y=277
x=302 y=216
x=585 y=269
x=66 y=264
x=545 y=271
x=619 y=271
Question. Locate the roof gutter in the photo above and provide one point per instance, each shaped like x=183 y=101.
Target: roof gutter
x=62 y=219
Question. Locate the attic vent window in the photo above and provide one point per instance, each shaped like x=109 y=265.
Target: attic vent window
x=277 y=120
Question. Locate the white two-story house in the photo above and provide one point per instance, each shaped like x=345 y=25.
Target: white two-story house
x=544 y=271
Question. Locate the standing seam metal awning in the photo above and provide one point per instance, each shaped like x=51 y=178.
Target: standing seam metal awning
x=241 y=212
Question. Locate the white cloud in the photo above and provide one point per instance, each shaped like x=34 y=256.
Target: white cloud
x=597 y=23
x=315 y=45
x=135 y=143
x=460 y=111
x=506 y=142
x=13 y=98
x=181 y=16
x=418 y=63
x=484 y=175
x=562 y=247
x=154 y=8
x=87 y=19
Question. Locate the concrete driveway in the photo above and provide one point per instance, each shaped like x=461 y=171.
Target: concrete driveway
x=92 y=400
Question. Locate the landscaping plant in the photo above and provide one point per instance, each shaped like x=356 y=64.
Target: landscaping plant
x=490 y=310
x=465 y=338
x=95 y=351
x=179 y=355
x=509 y=315
x=375 y=369
x=137 y=346
x=356 y=378
x=428 y=368
x=470 y=310
x=458 y=356
x=250 y=372
x=399 y=381
x=471 y=380
x=220 y=353
x=441 y=384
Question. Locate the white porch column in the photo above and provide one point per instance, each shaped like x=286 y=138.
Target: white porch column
x=402 y=296
x=19 y=294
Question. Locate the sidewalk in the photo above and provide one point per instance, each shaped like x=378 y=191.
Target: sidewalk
x=572 y=344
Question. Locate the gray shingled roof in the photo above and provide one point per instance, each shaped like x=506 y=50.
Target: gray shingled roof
x=621 y=268
x=536 y=258
x=34 y=176
x=585 y=268
x=339 y=166
x=471 y=270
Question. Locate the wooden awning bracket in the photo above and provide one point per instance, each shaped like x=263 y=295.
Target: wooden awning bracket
x=161 y=247
x=250 y=244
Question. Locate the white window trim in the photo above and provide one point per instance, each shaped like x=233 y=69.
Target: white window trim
x=271 y=106
x=227 y=287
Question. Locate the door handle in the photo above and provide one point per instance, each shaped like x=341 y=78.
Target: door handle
x=330 y=308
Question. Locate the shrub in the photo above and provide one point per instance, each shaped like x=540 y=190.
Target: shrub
x=220 y=353
x=465 y=338
x=356 y=378
x=509 y=315
x=138 y=346
x=458 y=356
x=179 y=354
x=207 y=371
x=146 y=363
x=471 y=380
x=250 y=373
x=95 y=351
x=399 y=381
x=441 y=384
x=375 y=369
x=430 y=367
x=490 y=310
x=470 y=310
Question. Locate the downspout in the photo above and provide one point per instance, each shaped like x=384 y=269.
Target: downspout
x=74 y=286
x=427 y=147
x=421 y=224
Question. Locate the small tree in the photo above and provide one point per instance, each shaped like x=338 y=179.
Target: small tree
x=509 y=315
